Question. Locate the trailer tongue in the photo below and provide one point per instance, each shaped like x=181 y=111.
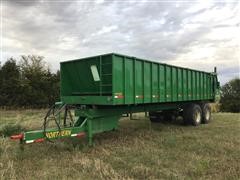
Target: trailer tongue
x=71 y=121
x=64 y=128
x=40 y=135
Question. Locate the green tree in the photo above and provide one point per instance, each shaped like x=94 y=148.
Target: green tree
x=40 y=87
x=33 y=70
x=230 y=96
x=10 y=82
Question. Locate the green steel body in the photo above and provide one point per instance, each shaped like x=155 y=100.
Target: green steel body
x=126 y=80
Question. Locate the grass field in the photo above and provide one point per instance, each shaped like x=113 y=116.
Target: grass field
x=137 y=150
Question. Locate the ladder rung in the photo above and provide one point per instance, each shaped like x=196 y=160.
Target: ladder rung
x=106 y=85
x=106 y=64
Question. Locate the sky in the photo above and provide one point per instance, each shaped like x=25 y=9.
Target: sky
x=194 y=34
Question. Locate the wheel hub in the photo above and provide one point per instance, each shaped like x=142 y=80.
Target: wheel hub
x=198 y=117
x=207 y=115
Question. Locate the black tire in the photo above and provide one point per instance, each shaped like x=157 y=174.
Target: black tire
x=155 y=117
x=192 y=114
x=169 y=116
x=206 y=113
x=163 y=116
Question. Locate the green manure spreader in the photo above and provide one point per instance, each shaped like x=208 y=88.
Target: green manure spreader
x=97 y=91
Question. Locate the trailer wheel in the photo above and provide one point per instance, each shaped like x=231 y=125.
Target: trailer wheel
x=192 y=114
x=155 y=117
x=169 y=116
x=164 y=116
x=206 y=113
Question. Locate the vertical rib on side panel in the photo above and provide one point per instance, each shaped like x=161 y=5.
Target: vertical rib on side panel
x=168 y=84
x=154 y=82
x=147 y=82
x=138 y=81
x=209 y=86
x=211 y=93
x=206 y=81
x=189 y=84
x=174 y=84
x=197 y=85
x=118 y=80
x=193 y=85
x=200 y=85
x=204 y=86
x=214 y=84
x=180 y=83
x=162 y=79
x=129 y=90
x=185 y=90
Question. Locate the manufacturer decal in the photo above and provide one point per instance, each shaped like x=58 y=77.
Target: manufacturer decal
x=56 y=134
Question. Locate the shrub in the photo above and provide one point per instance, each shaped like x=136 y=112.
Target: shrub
x=215 y=107
x=230 y=96
x=11 y=129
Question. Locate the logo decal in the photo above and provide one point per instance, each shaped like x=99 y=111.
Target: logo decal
x=56 y=134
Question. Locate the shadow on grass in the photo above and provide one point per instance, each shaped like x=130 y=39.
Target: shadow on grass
x=177 y=121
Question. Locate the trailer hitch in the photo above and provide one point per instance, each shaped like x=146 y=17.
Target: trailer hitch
x=54 y=113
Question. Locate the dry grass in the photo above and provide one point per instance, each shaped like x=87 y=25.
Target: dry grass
x=215 y=107
x=138 y=150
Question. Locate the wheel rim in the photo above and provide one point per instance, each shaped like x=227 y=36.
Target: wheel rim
x=207 y=116
x=198 y=117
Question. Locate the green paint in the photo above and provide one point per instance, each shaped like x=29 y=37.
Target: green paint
x=129 y=80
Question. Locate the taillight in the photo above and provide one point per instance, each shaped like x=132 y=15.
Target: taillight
x=18 y=136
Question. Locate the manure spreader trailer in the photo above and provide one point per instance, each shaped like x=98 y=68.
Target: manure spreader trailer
x=97 y=91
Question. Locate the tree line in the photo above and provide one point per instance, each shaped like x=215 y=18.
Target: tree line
x=28 y=83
